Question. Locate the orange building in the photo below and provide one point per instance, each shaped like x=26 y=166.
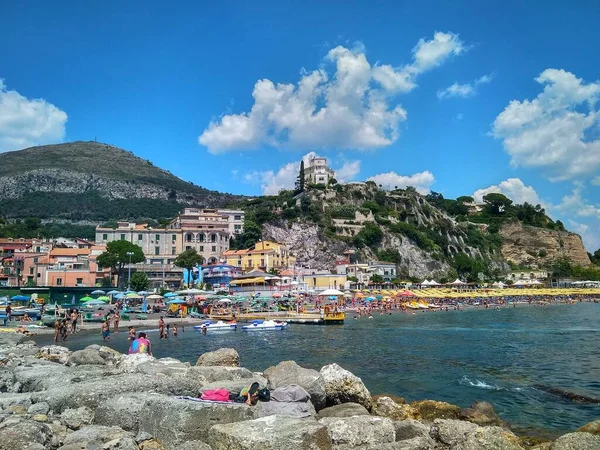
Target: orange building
x=71 y=267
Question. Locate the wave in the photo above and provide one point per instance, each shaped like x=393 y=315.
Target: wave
x=479 y=384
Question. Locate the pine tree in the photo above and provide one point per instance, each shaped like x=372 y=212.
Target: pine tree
x=300 y=180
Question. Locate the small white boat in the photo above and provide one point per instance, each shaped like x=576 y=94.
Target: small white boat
x=220 y=326
x=266 y=325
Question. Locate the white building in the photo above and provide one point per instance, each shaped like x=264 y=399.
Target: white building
x=317 y=171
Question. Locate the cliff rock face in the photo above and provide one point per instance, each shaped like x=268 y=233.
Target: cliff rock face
x=531 y=246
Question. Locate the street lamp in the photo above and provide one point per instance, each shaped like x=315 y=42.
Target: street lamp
x=130 y=254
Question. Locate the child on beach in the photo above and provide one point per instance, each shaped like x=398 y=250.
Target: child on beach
x=131 y=335
x=105 y=329
x=174 y=330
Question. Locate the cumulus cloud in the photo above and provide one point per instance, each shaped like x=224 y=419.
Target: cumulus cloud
x=596 y=181
x=464 y=90
x=514 y=189
x=422 y=181
x=353 y=108
x=575 y=205
x=272 y=181
x=27 y=122
x=554 y=131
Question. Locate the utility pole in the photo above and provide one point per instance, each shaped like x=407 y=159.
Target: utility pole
x=130 y=254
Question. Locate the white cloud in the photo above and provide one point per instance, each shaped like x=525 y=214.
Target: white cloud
x=464 y=90
x=596 y=181
x=351 y=109
x=27 y=122
x=575 y=205
x=554 y=131
x=514 y=189
x=348 y=171
x=422 y=181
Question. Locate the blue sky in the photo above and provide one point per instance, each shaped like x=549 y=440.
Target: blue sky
x=456 y=97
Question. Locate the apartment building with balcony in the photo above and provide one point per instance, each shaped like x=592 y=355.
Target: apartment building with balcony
x=317 y=171
x=264 y=255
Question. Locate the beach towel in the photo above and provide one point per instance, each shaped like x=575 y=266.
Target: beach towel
x=219 y=395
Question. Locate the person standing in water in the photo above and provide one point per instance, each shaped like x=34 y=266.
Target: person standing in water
x=105 y=329
x=161 y=327
x=116 y=319
x=141 y=345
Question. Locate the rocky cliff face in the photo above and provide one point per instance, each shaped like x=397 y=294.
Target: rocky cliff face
x=531 y=246
x=64 y=181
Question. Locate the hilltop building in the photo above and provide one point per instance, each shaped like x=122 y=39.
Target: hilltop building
x=317 y=171
x=264 y=255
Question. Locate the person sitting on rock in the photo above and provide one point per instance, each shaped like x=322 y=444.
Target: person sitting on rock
x=249 y=395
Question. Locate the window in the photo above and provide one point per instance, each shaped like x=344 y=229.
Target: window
x=214 y=248
x=262 y=262
x=201 y=237
x=59 y=281
x=202 y=248
x=173 y=237
x=140 y=237
x=157 y=237
x=157 y=250
x=173 y=250
x=237 y=217
x=213 y=238
x=237 y=227
x=188 y=247
x=122 y=237
x=31 y=271
x=105 y=237
x=79 y=281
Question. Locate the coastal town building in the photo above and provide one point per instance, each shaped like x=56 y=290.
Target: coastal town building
x=220 y=275
x=386 y=270
x=320 y=282
x=317 y=172
x=264 y=255
x=528 y=274
x=208 y=231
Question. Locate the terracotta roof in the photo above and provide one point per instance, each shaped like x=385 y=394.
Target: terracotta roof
x=69 y=251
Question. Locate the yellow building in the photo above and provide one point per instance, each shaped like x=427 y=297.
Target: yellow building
x=264 y=255
x=319 y=282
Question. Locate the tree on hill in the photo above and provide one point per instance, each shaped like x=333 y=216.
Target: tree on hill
x=118 y=254
x=496 y=203
x=561 y=268
x=139 y=281
x=188 y=260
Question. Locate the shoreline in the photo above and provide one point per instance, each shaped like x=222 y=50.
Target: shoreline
x=129 y=401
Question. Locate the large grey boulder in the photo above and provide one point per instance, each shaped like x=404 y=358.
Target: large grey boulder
x=40 y=377
x=19 y=434
x=130 y=363
x=210 y=374
x=342 y=386
x=86 y=357
x=272 y=432
x=359 y=431
x=577 y=441
x=175 y=421
x=77 y=418
x=54 y=353
x=387 y=407
x=344 y=410
x=409 y=429
x=194 y=445
x=122 y=411
x=221 y=357
x=38 y=408
x=288 y=372
x=429 y=410
x=20 y=399
x=482 y=413
x=234 y=386
x=99 y=437
x=91 y=393
x=463 y=435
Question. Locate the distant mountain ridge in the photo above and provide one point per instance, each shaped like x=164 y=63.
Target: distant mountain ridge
x=93 y=181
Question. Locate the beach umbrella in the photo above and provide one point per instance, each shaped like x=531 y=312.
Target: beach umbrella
x=113 y=292
x=224 y=300
x=176 y=301
x=276 y=295
x=103 y=298
x=170 y=294
x=370 y=299
x=119 y=296
x=143 y=293
x=94 y=301
x=20 y=298
x=154 y=297
x=98 y=292
x=87 y=298
x=133 y=295
x=191 y=291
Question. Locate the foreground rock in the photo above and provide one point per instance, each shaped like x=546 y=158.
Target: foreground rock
x=592 y=427
x=99 y=437
x=357 y=431
x=344 y=410
x=429 y=410
x=288 y=372
x=272 y=432
x=19 y=434
x=468 y=436
x=482 y=413
x=341 y=386
x=387 y=407
x=222 y=357
x=577 y=441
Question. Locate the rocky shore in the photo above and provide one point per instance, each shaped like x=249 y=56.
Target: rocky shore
x=97 y=398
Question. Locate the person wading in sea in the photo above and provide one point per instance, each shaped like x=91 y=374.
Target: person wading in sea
x=105 y=329
x=161 y=327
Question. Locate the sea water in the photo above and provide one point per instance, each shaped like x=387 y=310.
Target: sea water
x=509 y=357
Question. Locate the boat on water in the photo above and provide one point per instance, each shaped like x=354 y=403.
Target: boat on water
x=217 y=326
x=259 y=325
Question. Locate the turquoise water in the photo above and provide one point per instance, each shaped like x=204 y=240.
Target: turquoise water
x=507 y=357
